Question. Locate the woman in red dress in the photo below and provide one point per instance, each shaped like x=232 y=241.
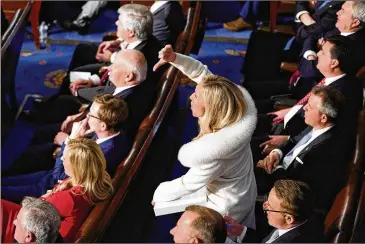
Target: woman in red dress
x=88 y=184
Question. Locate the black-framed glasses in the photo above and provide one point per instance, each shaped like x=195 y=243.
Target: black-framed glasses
x=266 y=202
x=90 y=115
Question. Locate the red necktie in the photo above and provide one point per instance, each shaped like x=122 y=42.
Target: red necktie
x=294 y=77
x=103 y=77
x=303 y=100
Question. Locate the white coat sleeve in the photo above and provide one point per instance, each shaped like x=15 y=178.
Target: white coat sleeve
x=196 y=178
x=191 y=67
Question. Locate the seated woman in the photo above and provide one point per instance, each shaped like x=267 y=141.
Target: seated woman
x=220 y=157
x=104 y=121
x=88 y=184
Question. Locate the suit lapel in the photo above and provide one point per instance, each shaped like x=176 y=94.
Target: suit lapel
x=160 y=8
x=125 y=93
x=317 y=141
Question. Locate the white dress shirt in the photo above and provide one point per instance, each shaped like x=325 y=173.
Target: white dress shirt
x=156 y=5
x=123 y=46
x=288 y=159
x=120 y=89
x=296 y=108
x=99 y=141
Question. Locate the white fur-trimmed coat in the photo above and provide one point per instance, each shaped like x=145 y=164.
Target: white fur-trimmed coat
x=220 y=161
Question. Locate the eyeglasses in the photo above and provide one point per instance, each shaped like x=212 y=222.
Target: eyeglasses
x=90 y=115
x=266 y=201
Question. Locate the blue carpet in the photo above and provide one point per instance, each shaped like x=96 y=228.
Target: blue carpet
x=215 y=29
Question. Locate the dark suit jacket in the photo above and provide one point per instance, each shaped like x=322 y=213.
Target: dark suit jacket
x=307 y=232
x=168 y=22
x=4 y=22
x=322 y=168
x=310 y=231
x=351 y=88
x=325 y=18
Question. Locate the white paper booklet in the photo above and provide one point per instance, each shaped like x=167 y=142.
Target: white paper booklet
x=179 y=205
x=78 y=75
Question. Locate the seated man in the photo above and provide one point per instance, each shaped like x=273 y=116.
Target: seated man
x=315 y=156
x=102 y=124
x=38 y=221
x=199 y=225
x=127 y=80
x=311 y=19
x=134 y=32
x=350 y=23
x=288 y=208
x=333 y=63
x=168 y=21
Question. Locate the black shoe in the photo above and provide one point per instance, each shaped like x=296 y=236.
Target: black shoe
x=82 y=29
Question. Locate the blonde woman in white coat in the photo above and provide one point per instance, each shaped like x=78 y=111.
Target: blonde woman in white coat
x=220 y=157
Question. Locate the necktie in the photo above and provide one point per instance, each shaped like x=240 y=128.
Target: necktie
x=289 y=157
x=274 y=236
x=304 y=99
x=104 y=77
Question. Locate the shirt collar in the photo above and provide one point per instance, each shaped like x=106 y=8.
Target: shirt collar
x=99 y=141
x=346 y=33
x=121 y=88
x=156 y=5
x=329 y=80
x=130 y=45
x=316 y=133
x=282 y=232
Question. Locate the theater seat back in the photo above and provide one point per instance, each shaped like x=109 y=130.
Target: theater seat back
x=340 y=221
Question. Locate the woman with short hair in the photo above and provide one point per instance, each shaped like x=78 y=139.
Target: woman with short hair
x=88 y=184
x=220 y=156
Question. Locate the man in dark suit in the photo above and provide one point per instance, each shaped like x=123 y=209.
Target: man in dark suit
x=312 y=22
x=333 y=63
x=288 y=207
x=315 y=156
x=350 y=23
x=127 y=81
x=103 y=124
x=168 y=21
x=311 y=19
x=134 y=32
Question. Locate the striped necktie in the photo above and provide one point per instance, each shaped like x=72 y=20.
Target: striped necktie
x=304 y=99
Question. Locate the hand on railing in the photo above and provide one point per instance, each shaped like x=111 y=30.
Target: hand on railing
x=166 y=55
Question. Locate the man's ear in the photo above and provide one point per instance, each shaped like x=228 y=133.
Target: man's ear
x=194 y=240
x=29 y=237
x=130 y=77
x=131 y=33
x=334 y=63
x=356 y=23
x=324 y=118
x=289 y=219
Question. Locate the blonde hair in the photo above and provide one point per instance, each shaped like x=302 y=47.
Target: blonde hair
x=224 y=104
x=89 y=170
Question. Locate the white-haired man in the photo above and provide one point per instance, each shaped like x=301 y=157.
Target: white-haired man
x=134 y=31
x=36 y=221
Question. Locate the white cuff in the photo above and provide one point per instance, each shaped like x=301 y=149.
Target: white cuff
x=112 y=58
x=279 y=152
x=309 y=53
x=297 y=17
x=243 y=234
x=95 y=79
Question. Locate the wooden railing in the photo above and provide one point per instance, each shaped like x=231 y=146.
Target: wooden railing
x=100 y=217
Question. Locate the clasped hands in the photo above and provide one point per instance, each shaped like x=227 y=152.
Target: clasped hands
x=270 y=162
